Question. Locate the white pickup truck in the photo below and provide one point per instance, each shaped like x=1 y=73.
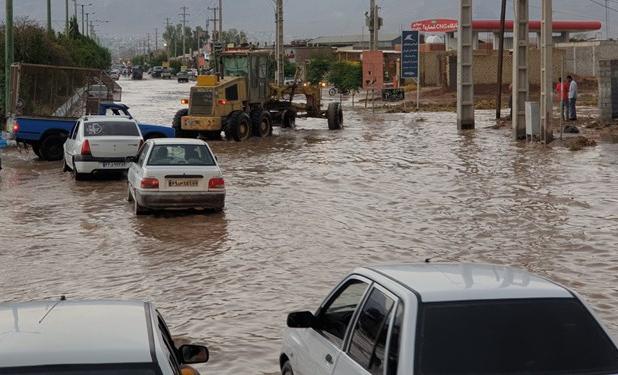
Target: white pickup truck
x=447 y=319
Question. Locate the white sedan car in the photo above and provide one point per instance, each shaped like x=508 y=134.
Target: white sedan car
x=175 y=173
x=101 y=143
x=447 y=319
x=91 y=337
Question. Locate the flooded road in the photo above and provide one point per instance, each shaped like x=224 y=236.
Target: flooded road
x=303 y=208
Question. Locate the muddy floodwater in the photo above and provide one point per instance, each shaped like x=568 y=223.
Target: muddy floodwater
x=303 y=208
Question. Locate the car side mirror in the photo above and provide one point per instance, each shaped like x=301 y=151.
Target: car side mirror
x=190 y=354
x=301 y=319
x=131 y=159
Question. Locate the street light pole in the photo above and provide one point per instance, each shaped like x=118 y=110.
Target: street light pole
x=66 y=13
x=83 y=30
x=49 y=23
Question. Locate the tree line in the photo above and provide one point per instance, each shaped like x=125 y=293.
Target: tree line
x=34 y=45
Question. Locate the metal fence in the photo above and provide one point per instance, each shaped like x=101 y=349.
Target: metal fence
x=58 y=91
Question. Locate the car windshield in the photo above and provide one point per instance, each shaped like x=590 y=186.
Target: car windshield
x=236 y=66
x=110 y=128
x=94 y=369
x=541 y=336
x=181 y=155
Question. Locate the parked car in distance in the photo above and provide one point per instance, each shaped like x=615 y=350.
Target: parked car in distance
x=114 y=74
x=156 y=71
x=90 y=337
x=182 y=76
x=101 y=143
x=137 y=73
x=175 y=174
x=447 y=319
x=166 y=73
x=193 y=73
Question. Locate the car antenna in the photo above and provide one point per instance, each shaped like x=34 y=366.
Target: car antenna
x=62 y=298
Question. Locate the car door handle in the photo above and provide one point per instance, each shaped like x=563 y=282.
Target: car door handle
x=329 y=359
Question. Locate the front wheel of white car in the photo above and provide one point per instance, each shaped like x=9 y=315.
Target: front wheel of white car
x=286 y=369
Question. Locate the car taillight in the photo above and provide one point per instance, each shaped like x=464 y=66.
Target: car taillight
x=222 y=101
x=15 y=127
x=149 y=183
x=216 y=183
x=86 y=148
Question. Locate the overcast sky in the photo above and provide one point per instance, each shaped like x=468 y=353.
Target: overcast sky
x=303 y=18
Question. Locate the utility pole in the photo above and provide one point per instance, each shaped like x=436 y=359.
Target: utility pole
x=372 y=25
x=66 y=11
x=214 y=19
x=156 y=39
x=148 y=42
x=184 y=15
x=169 y=33
x=8 y=55
x=547 y=45
x=607 y=19
x=220 y=16
x=83 y=29
x=75 y=9
x=279 y=47
x=500 y=60
x=88 y=25
x=49 y=23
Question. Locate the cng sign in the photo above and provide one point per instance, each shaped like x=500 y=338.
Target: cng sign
x=409 y=54
x=435 y=26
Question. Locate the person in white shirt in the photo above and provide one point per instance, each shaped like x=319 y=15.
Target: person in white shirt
x=572 y=98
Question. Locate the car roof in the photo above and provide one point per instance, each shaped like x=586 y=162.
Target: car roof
x=74 y=332
x=176 y=141
x=442 y=282
x=113 y=118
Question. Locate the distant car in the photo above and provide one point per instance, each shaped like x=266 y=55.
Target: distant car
x=114 y=74
x=166 y=73
x=182 y=76
x=101 y=143
x=175 y=174
x=137 y=73
x=90 y=337
x=193 y=73
x=447 y=319
x=156 y=71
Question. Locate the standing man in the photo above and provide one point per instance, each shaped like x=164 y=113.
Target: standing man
x=562 y=92
x=572 y=98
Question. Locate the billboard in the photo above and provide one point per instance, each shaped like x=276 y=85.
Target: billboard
x=409 y=54
x=435 y=26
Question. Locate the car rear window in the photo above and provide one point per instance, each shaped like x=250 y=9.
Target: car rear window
x=543 y=336
x=111 y=128
x=181 y=155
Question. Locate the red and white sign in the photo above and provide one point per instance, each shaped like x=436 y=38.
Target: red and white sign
x=435 y=26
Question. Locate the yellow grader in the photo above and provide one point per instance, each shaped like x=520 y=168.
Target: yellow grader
x=243 y=101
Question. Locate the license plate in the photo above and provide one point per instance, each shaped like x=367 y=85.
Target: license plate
x=182 y=183
x=114 y=164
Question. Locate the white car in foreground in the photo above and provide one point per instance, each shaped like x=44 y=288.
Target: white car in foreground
x=90 y=337
x=447 y=319
x=101 y=143
x=175 y=173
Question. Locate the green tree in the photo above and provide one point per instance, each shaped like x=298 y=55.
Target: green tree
x=346 y=76
x=234 y=36
x=318 y=68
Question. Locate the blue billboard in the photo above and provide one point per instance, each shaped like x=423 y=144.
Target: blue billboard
x=409 y=54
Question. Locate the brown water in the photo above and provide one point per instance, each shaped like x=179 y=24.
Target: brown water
x=303 y=208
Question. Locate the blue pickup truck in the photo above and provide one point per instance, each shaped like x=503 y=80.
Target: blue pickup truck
x=47 y=135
